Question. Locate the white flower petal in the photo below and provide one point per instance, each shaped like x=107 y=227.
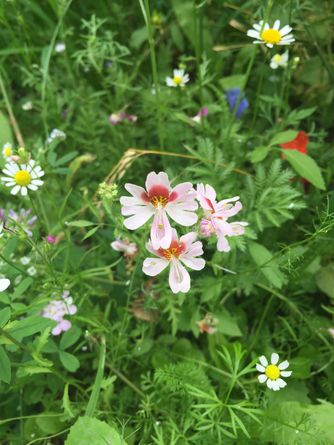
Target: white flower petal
x=283 y=365
x=4 y=284
x=153 y=266
x=253 y=33
x=260 y=368
x=277 y=24
x=274 y=358
x=262 y=378
x=285 y=30
x=286 y=373
x=281 y=383
x=263 y=360
x=15 y=190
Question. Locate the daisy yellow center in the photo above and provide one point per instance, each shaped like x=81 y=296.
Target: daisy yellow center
x=272 y=372
x=271 y=36
x=22 y=178
x=277 y=58
x=7 y=151
x=177 y=80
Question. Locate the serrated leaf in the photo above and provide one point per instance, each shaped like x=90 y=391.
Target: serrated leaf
x=91 y=431
x=283 y=137
x=306 y=167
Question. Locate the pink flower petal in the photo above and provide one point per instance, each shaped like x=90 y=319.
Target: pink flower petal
x=154 y=179
x=161 y=231
x=141 y=216
x=179 y=278
x=153 y=266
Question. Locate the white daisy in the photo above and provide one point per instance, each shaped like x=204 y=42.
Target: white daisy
x=263 y=33
x=179 y=79
x=7 y=150
x=23 y=177
x=279 y=60
x=271 y=373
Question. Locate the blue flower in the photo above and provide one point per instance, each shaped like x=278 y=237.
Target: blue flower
x=232 y=98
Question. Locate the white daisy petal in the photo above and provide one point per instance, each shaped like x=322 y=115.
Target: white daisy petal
x=253 y=33
x=262 y=378
x=270 y=384
x=283 y=365
x=281 y=383
x=24 y=191
x=260 y=368
x=285 y=30
x=263 y=360
x=286 y=373
x=274 y=358
x=277 y=24
x=275 y=385
x=15 y=190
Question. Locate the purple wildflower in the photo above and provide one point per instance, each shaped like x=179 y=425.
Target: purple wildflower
x=232 y=97
x=57 y=309
x=23 y=218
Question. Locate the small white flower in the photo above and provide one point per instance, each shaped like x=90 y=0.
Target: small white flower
x=129 y=249
x=56 y=134
x=25 y=260
x=7 y=150
x=31 y=271
x=4 y=283
x=263 y=33
x=23 y=177
x=179 y=79
x=279 y=60
x=271 y=373
x=60 y=47
x=27 y=106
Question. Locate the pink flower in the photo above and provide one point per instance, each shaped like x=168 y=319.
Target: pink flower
x=159 y=200
x=216 y=215
x=176 y=255
x=203 y=112
x=129 y=249
x=51 y=239
x=116 y=118
x=56 y=310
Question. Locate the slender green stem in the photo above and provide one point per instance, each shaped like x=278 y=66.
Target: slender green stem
x=198 y=49
x=147 y=16
x=259 y=326
x=13 y=121
x=92 y=403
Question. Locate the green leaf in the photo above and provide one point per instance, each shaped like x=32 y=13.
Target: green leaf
x=235 y=81
x=306 y=167
x=90 y=232
x=29 y=326
x=325 y=280
x=5 y=131
x=285 y=136
x=264 y=259
x=80 y=223
x=227 y=324
x=4 y=316
x=5 y=366
x=91 y=431
x=70 y=337
x=22 y=287
x=70 y=362
x=31 y=369
x=66 y=402
x=259 y=154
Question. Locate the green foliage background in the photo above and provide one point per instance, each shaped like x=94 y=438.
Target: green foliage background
x=134 y=368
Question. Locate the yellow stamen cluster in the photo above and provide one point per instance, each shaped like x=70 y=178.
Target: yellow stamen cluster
x=271 y=36
x=22 y=178
x=159 y=201
x=272 y=372
x=177 y=80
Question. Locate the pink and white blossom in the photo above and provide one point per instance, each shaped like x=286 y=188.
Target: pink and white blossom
x=129 y=249
x=216 y=216
x=57 y=309
x=159 y=201
x=180 y=252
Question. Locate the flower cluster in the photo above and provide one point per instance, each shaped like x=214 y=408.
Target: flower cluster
x=24 y=219
x=55 y=134
x=160 y=201
x=57 y=309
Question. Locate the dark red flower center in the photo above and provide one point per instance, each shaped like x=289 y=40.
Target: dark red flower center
x=173 y=251
x=159 y=196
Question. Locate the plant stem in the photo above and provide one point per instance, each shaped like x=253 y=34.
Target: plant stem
x=13 y=121
x=92 y=403
x=147 y=17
